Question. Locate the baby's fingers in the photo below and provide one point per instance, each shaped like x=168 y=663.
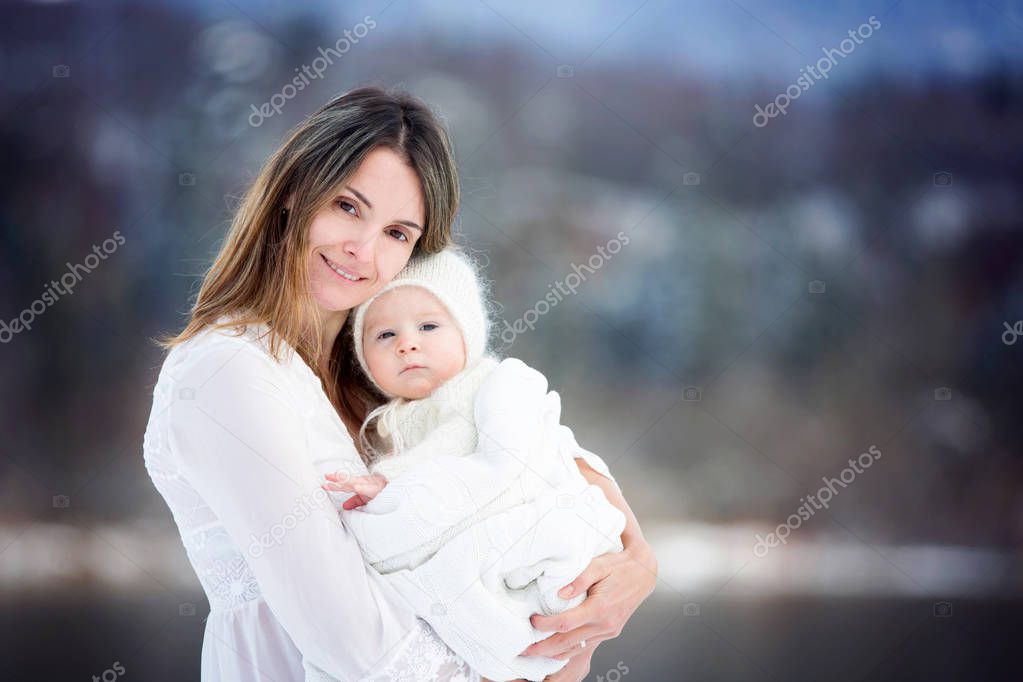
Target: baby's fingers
x=347 y=487
x=354 y=502
x=367 y=487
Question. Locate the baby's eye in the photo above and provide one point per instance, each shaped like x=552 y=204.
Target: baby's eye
x=345 y=205
x=398 y=234
x=429 y=326
x=384 y=335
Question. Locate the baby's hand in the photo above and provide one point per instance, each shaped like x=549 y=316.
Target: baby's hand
x=364 y=487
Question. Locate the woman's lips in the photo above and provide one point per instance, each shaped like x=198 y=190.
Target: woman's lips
x=334 y=267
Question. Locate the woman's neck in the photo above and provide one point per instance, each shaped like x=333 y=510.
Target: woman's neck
x=332 y=323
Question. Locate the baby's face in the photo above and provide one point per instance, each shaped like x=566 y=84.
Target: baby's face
x=411 y=343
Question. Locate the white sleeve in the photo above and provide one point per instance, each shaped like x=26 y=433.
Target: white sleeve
x=243 y=445
x=511 y=396
x=516 y=385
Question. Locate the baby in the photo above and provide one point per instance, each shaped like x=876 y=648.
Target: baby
x=476 y=544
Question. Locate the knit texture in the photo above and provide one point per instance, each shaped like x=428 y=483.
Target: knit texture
x=441 y=422
x=479 y=533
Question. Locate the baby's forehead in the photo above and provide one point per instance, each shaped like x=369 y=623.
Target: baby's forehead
x=406 y=300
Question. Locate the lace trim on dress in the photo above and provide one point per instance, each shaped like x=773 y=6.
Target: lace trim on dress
x=423 y=657
x=225 y=575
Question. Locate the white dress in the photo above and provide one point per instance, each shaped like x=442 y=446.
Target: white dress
x=236 y=444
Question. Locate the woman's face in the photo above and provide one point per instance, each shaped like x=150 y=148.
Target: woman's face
x=360 y=241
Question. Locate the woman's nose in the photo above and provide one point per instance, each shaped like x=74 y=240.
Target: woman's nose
x=361 y=249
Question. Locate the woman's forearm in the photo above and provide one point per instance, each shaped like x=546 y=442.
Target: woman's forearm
x=632 y=537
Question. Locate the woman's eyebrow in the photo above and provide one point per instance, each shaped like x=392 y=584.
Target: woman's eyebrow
x=362 y=197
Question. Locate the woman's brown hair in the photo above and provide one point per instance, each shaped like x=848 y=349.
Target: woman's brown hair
x=260 y=274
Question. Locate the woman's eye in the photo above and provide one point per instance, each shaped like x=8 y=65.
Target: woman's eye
x=345 y=205
x=399 y=234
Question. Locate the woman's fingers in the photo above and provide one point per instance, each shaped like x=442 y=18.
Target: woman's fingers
x=566 y=644
x=587 y=621
x=599 y=568
x=575 y=670
x=590 y=611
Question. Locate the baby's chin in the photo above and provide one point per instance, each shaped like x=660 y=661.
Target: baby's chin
x=415 y=389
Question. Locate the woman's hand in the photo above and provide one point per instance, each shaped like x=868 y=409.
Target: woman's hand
x=617 y=584
x=577 y=668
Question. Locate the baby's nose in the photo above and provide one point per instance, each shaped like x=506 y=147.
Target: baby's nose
x=407 y=346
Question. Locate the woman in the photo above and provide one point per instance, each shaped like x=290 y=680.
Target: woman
x=258 y=398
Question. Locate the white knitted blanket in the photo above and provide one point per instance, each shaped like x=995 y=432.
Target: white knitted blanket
x=479 y=539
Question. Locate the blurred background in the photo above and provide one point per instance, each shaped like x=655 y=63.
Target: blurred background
x=781 y=235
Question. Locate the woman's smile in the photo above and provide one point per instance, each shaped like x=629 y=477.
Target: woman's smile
x=342 y=273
